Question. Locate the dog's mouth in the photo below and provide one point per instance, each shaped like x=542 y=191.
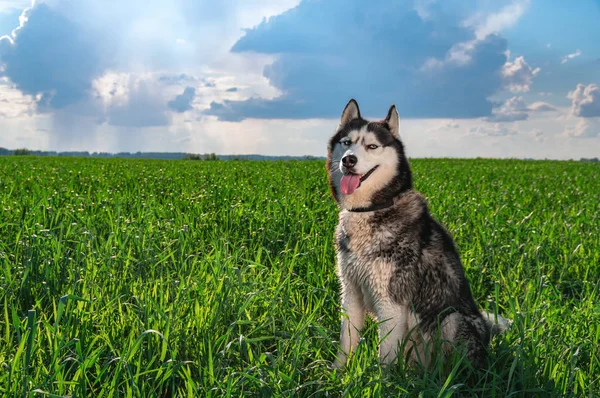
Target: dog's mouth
x=350 y=181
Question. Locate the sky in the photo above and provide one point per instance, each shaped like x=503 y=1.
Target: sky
x=488 y=78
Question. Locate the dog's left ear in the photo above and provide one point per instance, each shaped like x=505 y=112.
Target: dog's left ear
x=393 y=121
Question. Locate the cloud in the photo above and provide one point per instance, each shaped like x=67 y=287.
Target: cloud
x=585 y=128
x=585 y=100
x=518 y=75
x=232 y=90
x=541 y=106
x=9 y=19
x=585 y=104
x=14 y=104
x=129 y=100
x=538 y=135
x=143 y=109
x=63 y=46
x=496 y=130
x=175 y=36
x=329 y=51
x=515 y=109
x=511 y=110
x=448 y=125
x=443 y=127
x=50 y=57
x=568 y=57
x=495 y=22
x=183 y=102
x=185 y=79
x=178 y=79
x=62 y=62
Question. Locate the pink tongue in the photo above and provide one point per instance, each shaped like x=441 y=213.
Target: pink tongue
x=349 y=183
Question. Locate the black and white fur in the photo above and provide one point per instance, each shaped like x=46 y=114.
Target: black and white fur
x=395 y=260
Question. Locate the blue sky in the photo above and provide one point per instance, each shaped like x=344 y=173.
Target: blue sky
x=517 y=78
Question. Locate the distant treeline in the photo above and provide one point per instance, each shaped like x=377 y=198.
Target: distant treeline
x=150 y=155
x=173 y=155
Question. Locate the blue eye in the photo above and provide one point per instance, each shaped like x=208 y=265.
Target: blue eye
x=346 y=143
x=372 y=146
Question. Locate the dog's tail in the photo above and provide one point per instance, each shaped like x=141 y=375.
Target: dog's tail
x=497 y=323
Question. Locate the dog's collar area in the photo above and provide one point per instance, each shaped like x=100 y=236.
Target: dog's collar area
x=374 y=207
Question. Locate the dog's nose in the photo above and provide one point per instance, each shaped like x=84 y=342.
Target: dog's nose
x=349 y=161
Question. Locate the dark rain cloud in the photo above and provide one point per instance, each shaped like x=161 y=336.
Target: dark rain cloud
x=51 y=57
x=329 y=51
x=183 y=102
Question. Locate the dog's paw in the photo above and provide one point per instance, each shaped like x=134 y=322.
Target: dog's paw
x=340 y=362
x=337 y=365
x=498 y=323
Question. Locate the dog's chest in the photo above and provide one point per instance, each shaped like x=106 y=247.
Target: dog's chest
x=360 y=235
x=362 y=248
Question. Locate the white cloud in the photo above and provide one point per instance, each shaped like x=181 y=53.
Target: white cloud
x=568 y=57
x=245 y=73
x=585 y=128
x=446 y=126
x=511 y=110
x=495 y=130
x=518 y=75
x=13 y=103
x=179 y=35
x=585 y=100
x=6 y=5
x=496 y=22
x=538 y=135
x=132 y=100
x=541 y=106
x=482 y=24
x=515 y=108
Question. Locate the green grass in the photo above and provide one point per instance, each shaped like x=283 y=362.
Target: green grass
x=160 y=278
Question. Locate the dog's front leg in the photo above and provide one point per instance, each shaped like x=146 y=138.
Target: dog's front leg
x=392 y=320
x=353 y=319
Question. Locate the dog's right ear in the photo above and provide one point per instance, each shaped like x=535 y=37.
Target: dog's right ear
x=393 y=121
x=351 y=112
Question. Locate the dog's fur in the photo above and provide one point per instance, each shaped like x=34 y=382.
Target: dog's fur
x=394 y=260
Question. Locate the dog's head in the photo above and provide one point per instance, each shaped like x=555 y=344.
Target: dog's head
x=366 y=161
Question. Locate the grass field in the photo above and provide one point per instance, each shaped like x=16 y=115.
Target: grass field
x=161 y=278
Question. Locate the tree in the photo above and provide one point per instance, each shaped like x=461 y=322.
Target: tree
x=191 y=156
x=22 y=152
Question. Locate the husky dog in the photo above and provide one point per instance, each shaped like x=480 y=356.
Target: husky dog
x=395 y=260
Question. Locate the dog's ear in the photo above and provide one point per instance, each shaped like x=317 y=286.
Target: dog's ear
x=351 y=112
x=393 y=121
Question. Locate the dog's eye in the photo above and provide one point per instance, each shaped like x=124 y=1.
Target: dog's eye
x=372 y=146
x=346 y=142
